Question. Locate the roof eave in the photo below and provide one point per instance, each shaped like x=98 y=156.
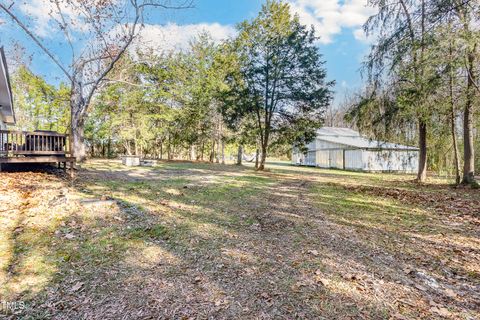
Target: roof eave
x=9 y=87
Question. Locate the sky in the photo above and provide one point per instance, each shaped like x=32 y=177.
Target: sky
x=338 y=23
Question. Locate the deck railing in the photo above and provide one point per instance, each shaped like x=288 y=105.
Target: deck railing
x=36 y=143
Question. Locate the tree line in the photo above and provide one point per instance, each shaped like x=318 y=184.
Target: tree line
x=264 y=90
x=267 y=89
x=422 y=81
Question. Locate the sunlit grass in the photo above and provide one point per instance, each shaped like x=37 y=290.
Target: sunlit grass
x=170 y=215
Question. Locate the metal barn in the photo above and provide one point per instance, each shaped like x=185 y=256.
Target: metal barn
x=346 y=149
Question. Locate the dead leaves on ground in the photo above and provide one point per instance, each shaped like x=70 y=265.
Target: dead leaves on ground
x=447 y=201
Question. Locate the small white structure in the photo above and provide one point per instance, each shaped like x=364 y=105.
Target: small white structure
x=346 y=149
x=131 y=161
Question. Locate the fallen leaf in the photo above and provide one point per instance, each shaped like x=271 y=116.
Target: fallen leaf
x=441 y=311
x=265 y=295
x=450 y=293
x=76 y=287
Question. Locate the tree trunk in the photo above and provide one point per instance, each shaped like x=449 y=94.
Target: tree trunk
x=264 y=146
x=135 y=146
x=192 y=153
x=77 y=107
x=422 y=161
x=78 y=142
x=169 y=150
x=223 y=152
x=452 y=128
x=468 y=147
x=263 y=158
x=257 y=160
x=212 y=152
x=239 y=155
x=217 y=155
x=109 y=146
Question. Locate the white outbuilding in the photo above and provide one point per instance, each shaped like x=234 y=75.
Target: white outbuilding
x=346 y=149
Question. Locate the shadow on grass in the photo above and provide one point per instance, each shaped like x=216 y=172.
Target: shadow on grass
x=205 y=243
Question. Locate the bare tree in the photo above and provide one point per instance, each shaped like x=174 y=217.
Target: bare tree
x=97 y=33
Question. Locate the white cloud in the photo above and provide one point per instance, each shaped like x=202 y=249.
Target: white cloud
x=177 y=37
x=45 y=16
x=40 y=12
x=360 y=35
x=329 y=17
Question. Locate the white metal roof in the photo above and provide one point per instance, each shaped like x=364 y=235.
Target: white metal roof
x=343 y=132
x=6 y=99
x=352 y=138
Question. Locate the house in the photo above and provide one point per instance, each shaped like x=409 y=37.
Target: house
x=22 y=146
x=346 y=149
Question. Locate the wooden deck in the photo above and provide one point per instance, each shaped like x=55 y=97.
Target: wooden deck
x=35 y=147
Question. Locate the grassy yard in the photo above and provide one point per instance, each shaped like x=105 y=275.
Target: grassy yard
x=198 y=241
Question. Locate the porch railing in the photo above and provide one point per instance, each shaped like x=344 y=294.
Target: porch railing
x=36 y=143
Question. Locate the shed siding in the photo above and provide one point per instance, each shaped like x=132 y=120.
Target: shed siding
x=322 y=145
x=405 y=161
x=310 y=158
x=336 y=159
x=342 y=150
x=323 y=159
x=353 y=160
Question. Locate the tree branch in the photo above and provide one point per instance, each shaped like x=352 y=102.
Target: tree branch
x=36 y=40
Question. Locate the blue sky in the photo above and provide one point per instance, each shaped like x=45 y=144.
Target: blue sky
x=338 y=23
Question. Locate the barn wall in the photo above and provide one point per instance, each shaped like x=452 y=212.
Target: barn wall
x=336 y=159
x=403 y=161
x=326 y=154
x=323 y=159
x=310 y=159
x=354 y=160
x=320 y=144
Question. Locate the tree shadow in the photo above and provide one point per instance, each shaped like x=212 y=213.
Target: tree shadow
x=236 y=246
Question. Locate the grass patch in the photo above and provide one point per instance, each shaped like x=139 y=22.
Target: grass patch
x=181 y=240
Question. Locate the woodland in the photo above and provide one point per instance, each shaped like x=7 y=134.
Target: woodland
x=267 y=89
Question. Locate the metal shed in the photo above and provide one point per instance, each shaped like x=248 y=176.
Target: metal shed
x=346 y=149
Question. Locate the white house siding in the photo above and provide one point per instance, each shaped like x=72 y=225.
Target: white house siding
x=353 y=160
x=390 y=160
